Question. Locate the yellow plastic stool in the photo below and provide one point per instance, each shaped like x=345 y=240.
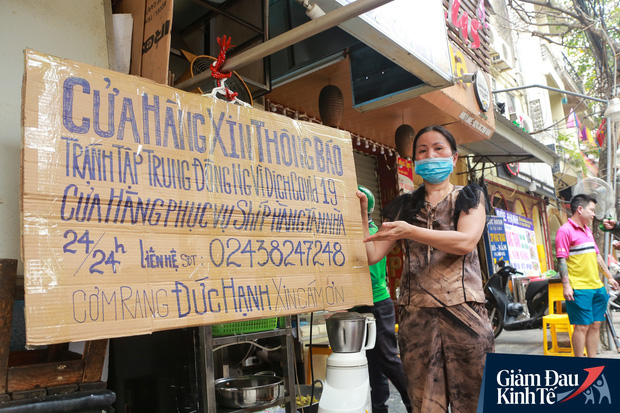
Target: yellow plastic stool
x=556 y=322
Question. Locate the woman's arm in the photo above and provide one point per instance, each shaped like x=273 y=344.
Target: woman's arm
x=461 y=241
x=375 y=251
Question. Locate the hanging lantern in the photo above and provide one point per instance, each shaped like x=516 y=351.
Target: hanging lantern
x=404 y=140
x=331 y=105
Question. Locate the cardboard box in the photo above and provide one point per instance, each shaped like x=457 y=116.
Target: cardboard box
x=156 y=40
x=123 y=27
x=147 y=208
x=152 y=26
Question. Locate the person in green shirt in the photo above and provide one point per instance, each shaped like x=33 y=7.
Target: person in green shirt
x=383 y=360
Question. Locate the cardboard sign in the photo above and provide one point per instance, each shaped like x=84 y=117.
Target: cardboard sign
x=148 y=208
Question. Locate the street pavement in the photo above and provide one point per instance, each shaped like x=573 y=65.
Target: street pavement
x=530 y=342
x=516 y=342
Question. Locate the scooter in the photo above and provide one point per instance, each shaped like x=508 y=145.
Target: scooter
x=508 y=314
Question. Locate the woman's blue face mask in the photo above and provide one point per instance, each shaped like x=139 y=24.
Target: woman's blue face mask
x=434 y=170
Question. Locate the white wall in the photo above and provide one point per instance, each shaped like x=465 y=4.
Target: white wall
x=73 y=29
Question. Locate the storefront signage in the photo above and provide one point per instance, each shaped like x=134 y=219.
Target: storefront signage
x=475 y=123
x=536 y=176
x=148 y=208
x=405 y=175
x=521 y=240
x=483 y=93
x=468 y=26
x=495 y=243
x=469 y=96
x=410 y=33
x=462 y=65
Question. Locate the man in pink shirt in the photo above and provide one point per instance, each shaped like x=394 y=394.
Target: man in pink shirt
x=579 y=262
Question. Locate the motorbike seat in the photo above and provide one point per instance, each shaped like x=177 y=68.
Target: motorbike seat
x=535 y=287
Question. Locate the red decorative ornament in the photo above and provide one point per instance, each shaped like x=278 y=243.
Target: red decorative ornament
x=224 y=43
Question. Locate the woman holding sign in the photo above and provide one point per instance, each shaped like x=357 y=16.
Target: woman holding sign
x=444 y=329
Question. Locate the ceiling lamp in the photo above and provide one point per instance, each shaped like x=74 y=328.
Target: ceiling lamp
x=404 y=140
x=331 y=105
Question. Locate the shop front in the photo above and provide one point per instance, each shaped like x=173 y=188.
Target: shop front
x=382 y=91
x=447 y=84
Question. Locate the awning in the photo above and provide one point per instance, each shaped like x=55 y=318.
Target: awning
x=508 y=144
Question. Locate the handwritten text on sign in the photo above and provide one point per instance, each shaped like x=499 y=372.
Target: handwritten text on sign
x=147 y=208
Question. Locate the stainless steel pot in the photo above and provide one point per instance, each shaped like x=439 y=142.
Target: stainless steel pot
x=247 y=391
x=305 y=390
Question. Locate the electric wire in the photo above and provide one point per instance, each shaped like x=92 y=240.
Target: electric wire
x=247 y=342
x=311 y=361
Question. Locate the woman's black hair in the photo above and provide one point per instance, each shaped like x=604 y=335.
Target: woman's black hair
x=436 y=128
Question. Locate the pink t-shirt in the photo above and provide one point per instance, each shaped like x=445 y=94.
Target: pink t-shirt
x=576 y=244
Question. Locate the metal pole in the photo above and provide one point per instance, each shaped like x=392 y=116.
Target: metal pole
x=610 y=152
x=607 y=240
x=289 y=38
x=552 y=89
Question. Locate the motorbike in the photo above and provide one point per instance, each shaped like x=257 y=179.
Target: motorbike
x=508 y=313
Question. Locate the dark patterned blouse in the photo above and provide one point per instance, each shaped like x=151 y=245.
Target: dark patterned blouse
x=434 y=278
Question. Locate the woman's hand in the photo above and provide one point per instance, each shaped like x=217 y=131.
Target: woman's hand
x=375 y=251
x=363 y=202
x=391 y=231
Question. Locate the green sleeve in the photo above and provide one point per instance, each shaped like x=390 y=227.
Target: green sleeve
x=378 y=274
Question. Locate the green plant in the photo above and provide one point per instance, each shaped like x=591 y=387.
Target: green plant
x=572 y=154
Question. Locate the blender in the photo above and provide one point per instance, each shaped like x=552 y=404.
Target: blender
x=347 y=387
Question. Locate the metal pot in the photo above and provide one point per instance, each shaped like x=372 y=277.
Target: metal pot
x=305 y=390
x=247 y=391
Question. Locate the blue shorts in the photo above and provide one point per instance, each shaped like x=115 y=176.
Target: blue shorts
x=589 y=306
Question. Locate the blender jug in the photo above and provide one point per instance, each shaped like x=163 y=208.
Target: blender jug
x=351 y=332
